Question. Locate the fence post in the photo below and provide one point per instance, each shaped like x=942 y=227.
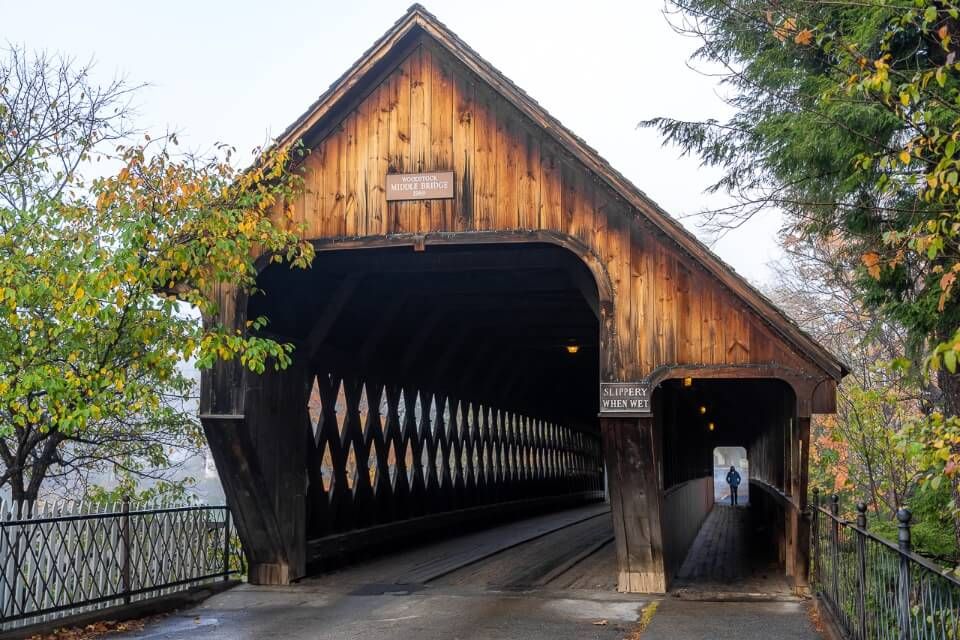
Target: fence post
x=226 y=541
x=862 y=569
x=903 y=590
x=815 y=529
x=835 y=549
x=125 y=538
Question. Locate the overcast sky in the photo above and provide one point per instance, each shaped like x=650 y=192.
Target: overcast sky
x=241 y=71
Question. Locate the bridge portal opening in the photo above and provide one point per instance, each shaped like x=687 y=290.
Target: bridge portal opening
x=723 y=459
x=708 y=425
x=435 y=389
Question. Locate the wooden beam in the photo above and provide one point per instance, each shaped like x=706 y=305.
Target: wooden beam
x=587 y=287
x=632 y=456
x=248 y=497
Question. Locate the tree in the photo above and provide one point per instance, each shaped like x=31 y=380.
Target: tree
x=98 y=275
x=846 y=118
x=863 y=452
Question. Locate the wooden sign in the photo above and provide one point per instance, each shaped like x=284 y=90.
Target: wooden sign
x=625 y=398
x=420 y=186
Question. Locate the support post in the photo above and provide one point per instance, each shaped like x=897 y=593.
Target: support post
x=903 y=581
x=835 y=548
x=226 y=542
x=125 y=534
x=802 y=575
x=632 y=457
x=862 y=570
x=815 y=526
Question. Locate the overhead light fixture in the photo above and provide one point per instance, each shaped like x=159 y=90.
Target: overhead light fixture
x=688 y=382
x=710 y=426
x=703 y=410
x=573 y=348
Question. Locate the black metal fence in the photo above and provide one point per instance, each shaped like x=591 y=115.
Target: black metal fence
x=876 y=589
x=56 y=563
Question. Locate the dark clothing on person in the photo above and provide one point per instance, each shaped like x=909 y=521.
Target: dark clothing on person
x=733 y=479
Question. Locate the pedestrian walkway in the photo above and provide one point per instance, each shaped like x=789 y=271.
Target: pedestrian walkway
x=677 y=619
x=731 y=556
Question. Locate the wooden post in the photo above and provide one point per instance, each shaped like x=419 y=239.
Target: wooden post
x=632 y=457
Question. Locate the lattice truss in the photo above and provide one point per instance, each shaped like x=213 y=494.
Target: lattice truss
x=381 y=453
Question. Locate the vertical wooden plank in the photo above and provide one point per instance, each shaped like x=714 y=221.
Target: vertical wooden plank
x=310 y=216
x=587 y=230
x=720 y=329
x=399 y=146
x=351 y=174
x=485 y=162
x=505 y=215
x=463 y=146
x=334 y=184
x=528 y=196
x=365 y=114
x=708 y=333
x=695 y=298
x=551 y=213
x=419 y=128
x=568 y=198
x=441 y=135
x=632 y=462
x=619 y=232
x=639 y=287
x=378 y=115
x=684 y=315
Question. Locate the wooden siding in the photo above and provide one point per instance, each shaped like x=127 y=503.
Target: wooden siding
x=431 y=113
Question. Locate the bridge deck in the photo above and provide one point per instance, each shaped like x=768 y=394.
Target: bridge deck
x=551 y=577
x=544 y=551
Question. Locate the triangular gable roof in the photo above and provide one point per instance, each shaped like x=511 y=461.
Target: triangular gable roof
x=418 y=20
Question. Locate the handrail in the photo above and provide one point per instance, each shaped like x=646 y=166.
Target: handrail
x=676 y=487
x=55 y=566
x=914 y=556
x=877 y=589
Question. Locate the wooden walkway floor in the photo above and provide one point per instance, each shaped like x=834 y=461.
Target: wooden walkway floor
x=570 y=549
x=730 y=555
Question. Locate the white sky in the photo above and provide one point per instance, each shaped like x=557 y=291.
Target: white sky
x=240 y=71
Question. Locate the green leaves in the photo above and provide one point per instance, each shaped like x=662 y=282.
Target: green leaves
x=110 y=287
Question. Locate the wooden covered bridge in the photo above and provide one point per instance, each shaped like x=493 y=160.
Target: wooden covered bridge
x=497 y=324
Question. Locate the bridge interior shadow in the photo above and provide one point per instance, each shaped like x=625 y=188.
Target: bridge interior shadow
x=712 y=547
x=441 y=389
x=732 y=553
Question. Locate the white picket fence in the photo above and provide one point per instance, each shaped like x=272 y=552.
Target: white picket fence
x=62 y=558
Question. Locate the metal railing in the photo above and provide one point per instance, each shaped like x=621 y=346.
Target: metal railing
x=61 y=560
x=877 y=589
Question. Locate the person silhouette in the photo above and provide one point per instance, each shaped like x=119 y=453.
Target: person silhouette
x=733 y=479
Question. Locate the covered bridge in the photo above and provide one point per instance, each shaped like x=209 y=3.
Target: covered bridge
x=497 y=323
